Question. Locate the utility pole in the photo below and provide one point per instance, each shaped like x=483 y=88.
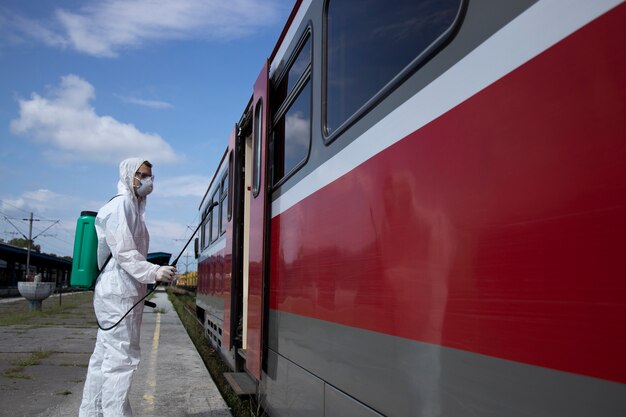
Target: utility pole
x=30 y=237
x=186 y=262
x=30 y=241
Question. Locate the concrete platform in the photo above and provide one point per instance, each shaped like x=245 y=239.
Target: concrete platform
x=171 y=380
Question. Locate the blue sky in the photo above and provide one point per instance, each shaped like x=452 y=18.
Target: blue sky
x=85 y=84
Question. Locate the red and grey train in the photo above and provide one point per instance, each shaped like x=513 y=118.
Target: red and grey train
x=422 y=212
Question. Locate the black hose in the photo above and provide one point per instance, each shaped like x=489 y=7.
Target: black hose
x=131 y=309
x=158 y=282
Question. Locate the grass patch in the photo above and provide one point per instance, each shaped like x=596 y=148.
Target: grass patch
x=15 y=373
x=212 y=360
x=18 y=318
x=35 y=358
x=18 y=312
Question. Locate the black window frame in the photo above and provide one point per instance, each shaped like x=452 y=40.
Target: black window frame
x=230 y=186
x=304 y=81
x=204 y=242
x=306 y=36
x=214 y=209
x=223 y=201
x=256 y=148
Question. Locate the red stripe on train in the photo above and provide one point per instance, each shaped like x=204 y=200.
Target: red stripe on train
x=498 y=228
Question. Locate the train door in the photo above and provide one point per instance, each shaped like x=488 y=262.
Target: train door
x=245 y=185
x=242 y=184
x=258 y=228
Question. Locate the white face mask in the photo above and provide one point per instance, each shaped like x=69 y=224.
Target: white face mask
x=145 y=187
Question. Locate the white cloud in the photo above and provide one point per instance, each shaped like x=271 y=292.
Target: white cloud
x=155 y=104
x=41 y=196
x=37 y=200
x=298 y=130
x=13 y=27
x=169 y=236
x=47 y=203
x=68 y=122
x=103 y=28
x=184 y=186
x=48 y=206
x=166 y=230
x=166 y=226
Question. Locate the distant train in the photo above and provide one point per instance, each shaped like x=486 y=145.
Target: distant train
x=422 y=212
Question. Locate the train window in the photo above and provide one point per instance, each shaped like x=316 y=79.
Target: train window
x=256 y=151
x=370 y=46
x=290 y=78
x=230 y=193
x=223 y=203
x=292 y=136
x=215 y=217
x=291 y=114
x=206 y=225
x=203 y=234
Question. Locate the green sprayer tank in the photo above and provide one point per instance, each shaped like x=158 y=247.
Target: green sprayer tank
x=85 y=261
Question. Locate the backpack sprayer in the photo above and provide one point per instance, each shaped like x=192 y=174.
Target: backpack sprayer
x=85 y=269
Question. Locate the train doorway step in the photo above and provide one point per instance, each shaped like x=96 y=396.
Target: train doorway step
x=241 y=383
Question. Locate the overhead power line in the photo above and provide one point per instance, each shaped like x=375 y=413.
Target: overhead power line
x=14 y=206
x=30 y=237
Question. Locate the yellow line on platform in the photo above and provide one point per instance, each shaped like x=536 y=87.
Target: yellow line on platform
x=148 y=397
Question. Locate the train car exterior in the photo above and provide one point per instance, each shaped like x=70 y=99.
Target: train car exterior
x=422 y=212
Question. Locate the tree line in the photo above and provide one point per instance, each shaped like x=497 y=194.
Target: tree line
x=23 y=243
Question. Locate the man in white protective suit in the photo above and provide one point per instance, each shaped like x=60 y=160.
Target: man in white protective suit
x=122 y=234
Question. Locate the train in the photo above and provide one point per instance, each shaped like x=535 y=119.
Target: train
x=422 y=212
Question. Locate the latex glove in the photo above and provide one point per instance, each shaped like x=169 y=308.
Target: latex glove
x=166 y=273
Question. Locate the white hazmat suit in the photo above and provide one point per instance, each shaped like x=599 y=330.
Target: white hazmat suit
x=121 y=232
